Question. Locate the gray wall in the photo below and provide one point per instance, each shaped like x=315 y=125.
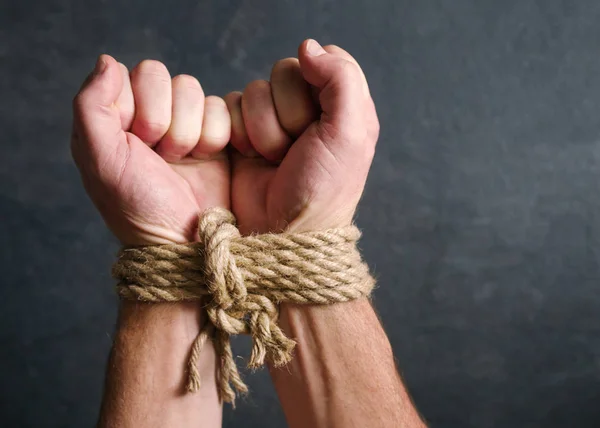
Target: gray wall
x=480 y=217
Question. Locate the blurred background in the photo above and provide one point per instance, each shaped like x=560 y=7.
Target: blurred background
x=481 y=215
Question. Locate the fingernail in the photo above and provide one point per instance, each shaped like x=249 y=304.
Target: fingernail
x=100 y=66
x=313 y=48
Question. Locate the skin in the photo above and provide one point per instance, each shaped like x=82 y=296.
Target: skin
x=301 y=147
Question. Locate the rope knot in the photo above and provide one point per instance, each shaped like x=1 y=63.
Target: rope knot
x=242 y=280
x=216 y=230
x=232 y=310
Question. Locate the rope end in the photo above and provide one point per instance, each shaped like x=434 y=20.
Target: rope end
x=194 y=382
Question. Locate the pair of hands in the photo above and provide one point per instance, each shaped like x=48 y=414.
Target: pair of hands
x=153 y=151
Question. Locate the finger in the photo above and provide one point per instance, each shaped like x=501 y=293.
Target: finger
x=239 y=136
x=97 y=119
x=186 y=119
x=151 y=84
x=292 y=96
x=348 y=112
x=125 y=101
x=341 y=53
x=260 y=117
x=372 y=117
x=216 y=128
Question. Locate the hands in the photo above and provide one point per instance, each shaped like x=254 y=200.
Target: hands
x=152 y=154
x=151 y=149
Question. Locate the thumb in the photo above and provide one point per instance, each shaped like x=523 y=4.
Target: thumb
x=96 y=118
x=343 y=96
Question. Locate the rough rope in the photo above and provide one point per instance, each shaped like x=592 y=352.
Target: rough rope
x=243 y=279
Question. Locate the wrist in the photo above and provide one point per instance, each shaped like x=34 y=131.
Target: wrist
x=147 y=374
x=160 y=336
x=178 y=321
x=311 y=221
x=131 y=231
x=150 y=235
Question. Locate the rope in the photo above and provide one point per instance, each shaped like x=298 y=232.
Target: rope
x=244 y=279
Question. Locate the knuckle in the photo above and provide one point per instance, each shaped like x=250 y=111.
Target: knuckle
x=214 y=139
x=284 y=64
x=256 y=86
x=187 y=82
x=341 y=53
x=331 y=47
x=82 y=105
x=81 y=99
x=153 y=68
x=232 y=99
x=182 y=142
x=151 y=127
x=349 y=72
x=233 y=95
x=348 y=79
x=215 y=101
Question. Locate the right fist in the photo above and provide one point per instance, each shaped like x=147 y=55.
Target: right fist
x=305 y=141
x=150 y=150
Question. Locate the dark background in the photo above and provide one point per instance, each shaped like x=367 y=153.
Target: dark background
x=481 y=214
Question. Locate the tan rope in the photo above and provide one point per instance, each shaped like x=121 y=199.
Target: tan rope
x=244 y=279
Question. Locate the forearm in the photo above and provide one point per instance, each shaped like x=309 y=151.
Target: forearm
x=145 y=383
x=343 y=372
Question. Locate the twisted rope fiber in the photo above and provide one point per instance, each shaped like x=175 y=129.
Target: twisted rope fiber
x=243 y=279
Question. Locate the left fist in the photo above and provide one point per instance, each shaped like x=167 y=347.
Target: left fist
x=150 y=150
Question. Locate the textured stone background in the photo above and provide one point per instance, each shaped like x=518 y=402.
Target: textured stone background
x=480 y=216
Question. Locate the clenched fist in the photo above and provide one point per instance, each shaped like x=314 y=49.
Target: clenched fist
x=305 y=139
x=151 y=149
